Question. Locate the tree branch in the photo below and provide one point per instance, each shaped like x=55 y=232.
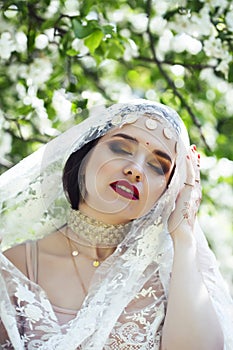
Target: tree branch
x=172 y=63
x=170 y=81
x=20 y=136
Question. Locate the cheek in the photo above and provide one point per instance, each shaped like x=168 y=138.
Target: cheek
x=155 y=188
x=156 y=183
x=99 y=172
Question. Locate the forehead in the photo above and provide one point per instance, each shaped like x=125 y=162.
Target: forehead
x=154 y=138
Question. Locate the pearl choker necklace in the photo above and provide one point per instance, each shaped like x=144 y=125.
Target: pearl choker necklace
x=85 y=229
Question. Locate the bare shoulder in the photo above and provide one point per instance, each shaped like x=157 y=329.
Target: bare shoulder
x=17 y=255
x=52 y=244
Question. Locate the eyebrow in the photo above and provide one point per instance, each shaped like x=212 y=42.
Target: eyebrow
x=156 y=152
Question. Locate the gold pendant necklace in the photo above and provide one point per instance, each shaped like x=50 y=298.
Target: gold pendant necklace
x=74 y=253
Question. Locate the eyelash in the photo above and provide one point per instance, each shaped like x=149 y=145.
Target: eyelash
x=118 y=149
x=158 y=170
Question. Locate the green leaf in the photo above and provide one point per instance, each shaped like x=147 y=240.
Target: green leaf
x=195 y=5
x=114 y=50
x=93 y=41
x=50 y=23
x=82 y=31
x=71 y=52
x=108 y=29
x=230 y=74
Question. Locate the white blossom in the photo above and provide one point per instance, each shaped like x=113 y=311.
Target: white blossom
x=193 y=24
x=53 y=8
x=11 y=11
x=79 y=46
x=120 y=15
x=201 y=23
x=158 y=25
x=39 y=71
x=92 y=15
x=161 y=6
x=5 y=143
x=164 y=43
x=139 y=22
x=184 y=42
x=178 y=70
x=6 y=45
x=220 y=193
x=41 y=41
x=43 y=123
x=71 y=7
x=62 y=105
x=131 y=50
x=94 y=98
x=20 y=42
x=229 y=20
x=216 y=3
x=213 y=47
x=223 y=66
x=5 y=138
x=16 y=71
x=210 y=134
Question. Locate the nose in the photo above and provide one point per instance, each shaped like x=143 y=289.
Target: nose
x=133 y=172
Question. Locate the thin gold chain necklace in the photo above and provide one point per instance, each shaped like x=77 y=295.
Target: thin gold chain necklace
x=75 y=252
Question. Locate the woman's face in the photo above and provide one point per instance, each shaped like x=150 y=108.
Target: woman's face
x=127 y=172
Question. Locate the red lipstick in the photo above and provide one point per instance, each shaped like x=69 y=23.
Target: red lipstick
x=125 y=189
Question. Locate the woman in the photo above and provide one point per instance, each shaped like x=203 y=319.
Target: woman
x=129 y=268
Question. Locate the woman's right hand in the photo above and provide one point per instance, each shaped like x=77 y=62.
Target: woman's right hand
x=182 y=220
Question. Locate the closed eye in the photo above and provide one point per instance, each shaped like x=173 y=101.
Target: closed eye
x=156 y=168
x=119 y=148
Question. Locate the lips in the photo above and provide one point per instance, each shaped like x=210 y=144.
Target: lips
x=125 y=189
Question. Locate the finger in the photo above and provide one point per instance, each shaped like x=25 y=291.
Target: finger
x=190 y=173
x=195 y=156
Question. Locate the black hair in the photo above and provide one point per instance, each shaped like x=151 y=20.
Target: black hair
x=71 y=178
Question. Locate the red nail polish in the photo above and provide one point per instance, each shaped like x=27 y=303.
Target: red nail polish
x=194 y=147
x=198 y=156
x=188 y=157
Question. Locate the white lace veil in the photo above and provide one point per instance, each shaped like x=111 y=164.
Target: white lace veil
x=126 y=304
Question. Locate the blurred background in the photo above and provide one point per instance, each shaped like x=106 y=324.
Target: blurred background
x=60 y=57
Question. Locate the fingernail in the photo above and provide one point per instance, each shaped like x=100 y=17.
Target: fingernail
x=188 y=157
x=198 y=156
x=194 y=147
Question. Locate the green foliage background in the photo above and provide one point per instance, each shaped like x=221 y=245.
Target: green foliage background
x=59 y=57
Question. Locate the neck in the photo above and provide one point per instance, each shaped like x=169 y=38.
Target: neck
x=111 y=219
